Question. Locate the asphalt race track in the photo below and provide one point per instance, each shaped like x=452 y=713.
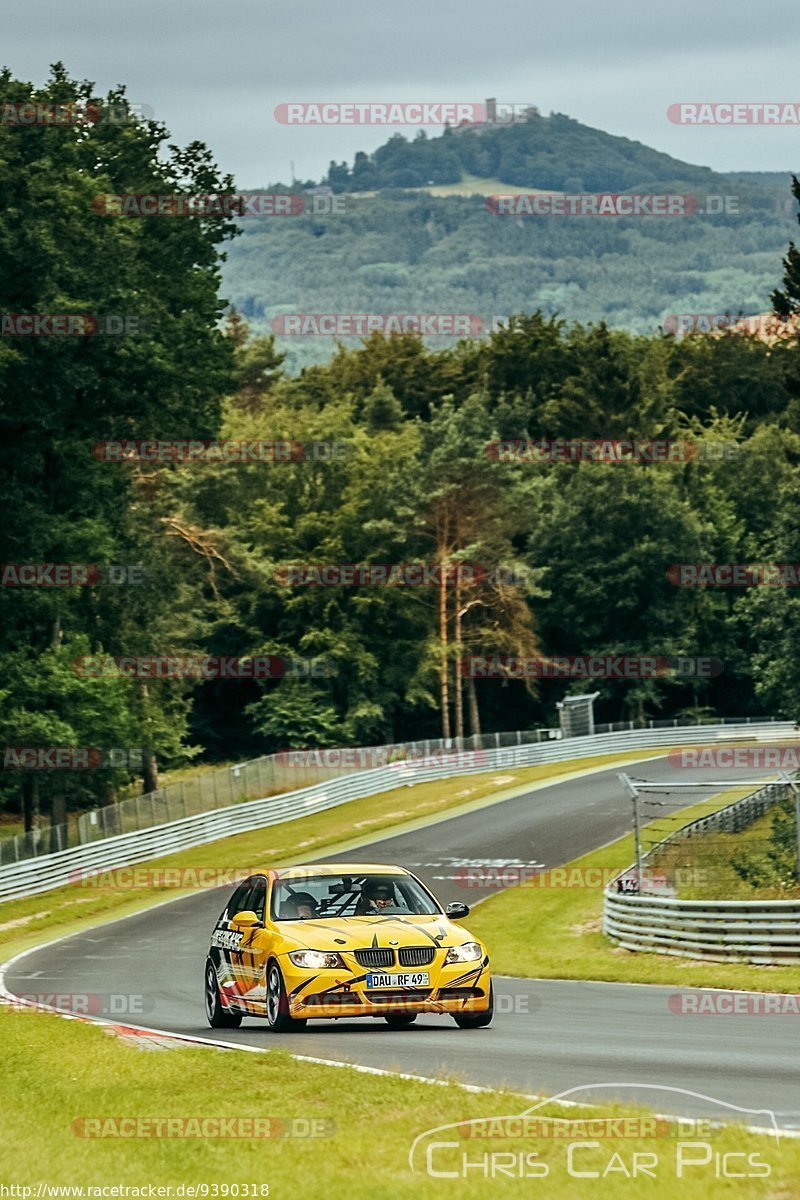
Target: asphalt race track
x=548 y=1035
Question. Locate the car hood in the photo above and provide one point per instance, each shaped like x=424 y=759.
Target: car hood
x=359 y=933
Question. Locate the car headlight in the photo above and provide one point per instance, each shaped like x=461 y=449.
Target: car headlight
x=315 y=958
x=467 y=952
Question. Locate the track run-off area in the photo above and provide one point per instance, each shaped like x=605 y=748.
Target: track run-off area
x=613 y=1041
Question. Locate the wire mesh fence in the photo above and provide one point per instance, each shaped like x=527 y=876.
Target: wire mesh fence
x=726 y=851
x=272 y=774
x=284 y=772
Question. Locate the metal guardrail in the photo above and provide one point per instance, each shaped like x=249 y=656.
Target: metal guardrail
x=226 y=786
x=762 y=932
x=260 y=777
x=50 y=871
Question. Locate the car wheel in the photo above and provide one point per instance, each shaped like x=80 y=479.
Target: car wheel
x=218 y=1016
x=398 y=1022
x=477 y=1020
x=278 y=1017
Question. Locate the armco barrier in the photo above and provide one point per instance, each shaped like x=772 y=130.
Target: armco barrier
x=54 y=870
x=765 y=932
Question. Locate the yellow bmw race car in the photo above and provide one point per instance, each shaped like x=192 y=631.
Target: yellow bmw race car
x=343 y=941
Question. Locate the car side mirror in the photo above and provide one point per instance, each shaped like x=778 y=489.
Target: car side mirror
x=457 y=911
x=245 y=920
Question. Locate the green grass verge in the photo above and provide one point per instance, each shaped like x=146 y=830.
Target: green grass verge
x=554 y=931
x=56 y=1072
x=35 y=919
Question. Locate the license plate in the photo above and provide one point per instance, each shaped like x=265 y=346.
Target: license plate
x=409 y=979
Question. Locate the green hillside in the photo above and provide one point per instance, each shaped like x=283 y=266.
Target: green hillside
x=410 y=245
x=554 y=152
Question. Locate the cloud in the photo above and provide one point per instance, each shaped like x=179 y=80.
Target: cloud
x=216 y=74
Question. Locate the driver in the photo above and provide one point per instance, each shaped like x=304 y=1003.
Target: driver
x=303 y=904
x=375 y=897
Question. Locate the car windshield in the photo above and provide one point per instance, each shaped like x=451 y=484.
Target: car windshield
x=317 y=897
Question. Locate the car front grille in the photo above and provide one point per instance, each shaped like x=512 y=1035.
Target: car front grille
x=376 y=956
x=416 y=956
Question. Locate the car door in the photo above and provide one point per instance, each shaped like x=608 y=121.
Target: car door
x=255 y=943
x=226 y=945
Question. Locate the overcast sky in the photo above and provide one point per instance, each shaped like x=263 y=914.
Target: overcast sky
x=216 y=72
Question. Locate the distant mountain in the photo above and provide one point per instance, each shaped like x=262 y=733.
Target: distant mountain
x=418 y=235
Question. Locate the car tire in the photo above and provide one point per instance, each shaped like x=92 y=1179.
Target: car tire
x=398 y=1022
x=278 y=1018
x=477 y=1020
x=218 y=1016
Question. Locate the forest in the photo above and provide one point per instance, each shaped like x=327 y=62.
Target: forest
x=384 y=455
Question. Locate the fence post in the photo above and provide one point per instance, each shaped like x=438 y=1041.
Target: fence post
x=636 y=832
x=794 y=786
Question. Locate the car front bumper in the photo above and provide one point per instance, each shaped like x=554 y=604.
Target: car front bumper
x=457 y=988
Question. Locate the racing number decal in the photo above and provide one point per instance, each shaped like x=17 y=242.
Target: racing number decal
x=227 y=939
